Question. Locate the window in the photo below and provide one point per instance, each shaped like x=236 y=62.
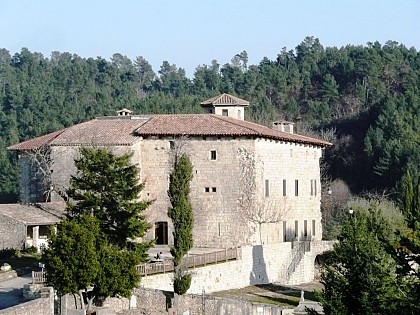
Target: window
x=225 y=112
x=305 y=228
x=213 y=155
x=313 y=227
x=267 y=187
x=296 y=187
x=239 y=114
x=213 y=189
x=172 y=145
x=313 y=187
x=284 y=188
x=296 y=228
x=284 y=231
x=207 y=189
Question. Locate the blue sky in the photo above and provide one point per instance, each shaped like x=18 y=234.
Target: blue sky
x=190 y=33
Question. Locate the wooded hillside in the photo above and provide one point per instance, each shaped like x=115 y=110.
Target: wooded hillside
x=364 y=99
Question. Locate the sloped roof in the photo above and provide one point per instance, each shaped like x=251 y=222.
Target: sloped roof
x=216 y=125
x=126 y=130
x=225 y=100
x=34 y=214
x=99 y=131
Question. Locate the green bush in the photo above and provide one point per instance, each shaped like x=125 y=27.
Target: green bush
x=182 y=284
x=31 y=250
x=8 y=253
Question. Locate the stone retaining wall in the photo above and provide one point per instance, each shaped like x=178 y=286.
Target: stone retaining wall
x=41 y=306
x=259 y=265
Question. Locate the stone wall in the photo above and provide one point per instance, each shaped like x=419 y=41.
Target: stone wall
x=12 y=233
x=283 y=163
x=259 y=265
x=40 y=306
x=223 y=178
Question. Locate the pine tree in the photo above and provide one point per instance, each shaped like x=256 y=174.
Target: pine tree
x=407 y=248
x=359 y=275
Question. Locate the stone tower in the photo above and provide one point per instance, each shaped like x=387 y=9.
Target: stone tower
x=226 y=105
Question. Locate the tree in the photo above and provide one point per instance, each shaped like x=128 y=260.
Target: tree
x=254 y=209
x=182 y=218
x=106 y=186
x=359 y=275
x=407 y=247
x=96 y=245
x=80 y=261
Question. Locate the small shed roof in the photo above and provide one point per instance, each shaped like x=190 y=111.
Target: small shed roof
x=34 y=214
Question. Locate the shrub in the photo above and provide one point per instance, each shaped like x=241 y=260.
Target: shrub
x=8 y=253
x=182 y=284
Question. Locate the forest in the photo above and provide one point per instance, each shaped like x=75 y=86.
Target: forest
x=363 y=99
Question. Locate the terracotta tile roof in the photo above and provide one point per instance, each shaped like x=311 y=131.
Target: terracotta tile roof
x=216 y=125
x=225 y=99
x=36 y=142
x=125 y=130
x=100 y=131
x=34 y=214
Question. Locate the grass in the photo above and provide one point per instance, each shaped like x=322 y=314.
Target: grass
x=23 y=263
x=268 y=294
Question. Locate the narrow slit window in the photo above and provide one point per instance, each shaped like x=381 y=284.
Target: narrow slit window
x=267 y=187
x=284 y=231
x=313 y=227
x=284 y=187
x=305 y=228
x=296 y=187
x=296 y=228
x=213 y=155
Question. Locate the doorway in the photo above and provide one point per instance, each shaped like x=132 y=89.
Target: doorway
x=161 y=233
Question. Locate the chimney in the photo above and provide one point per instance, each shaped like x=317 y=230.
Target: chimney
x=283 y=126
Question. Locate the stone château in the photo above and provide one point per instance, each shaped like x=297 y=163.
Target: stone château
x=252 y=184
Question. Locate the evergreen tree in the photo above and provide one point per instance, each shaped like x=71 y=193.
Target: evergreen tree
x=181 y=209
x=106 y=186
x=79 y=256
x=182 y=219
x=407 y=248
x=359 y=275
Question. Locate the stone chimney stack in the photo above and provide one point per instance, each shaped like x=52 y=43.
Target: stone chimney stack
x=283 y=126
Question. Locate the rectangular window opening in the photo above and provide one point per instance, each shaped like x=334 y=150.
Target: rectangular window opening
x=213 y=155
x=267 y=187
x=296 y=229
x=213 y=189
x=284 y=231
x=296 y=187
x=225 y=112
x=207 y=189
x=284 y=187
x=313 y=227
x=305 y=228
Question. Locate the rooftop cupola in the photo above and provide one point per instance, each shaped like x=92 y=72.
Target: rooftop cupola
x=226 y=105
x=124 y=112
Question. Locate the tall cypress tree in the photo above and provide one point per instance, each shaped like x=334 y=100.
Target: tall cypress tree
x=182 y=219
x=181 y=210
